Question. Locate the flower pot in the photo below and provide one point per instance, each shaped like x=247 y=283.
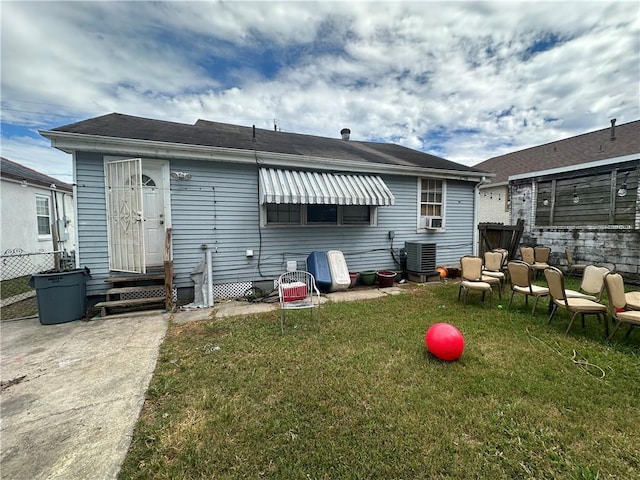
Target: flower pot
x=386 y=278
x=354 y=279
x=368 y=277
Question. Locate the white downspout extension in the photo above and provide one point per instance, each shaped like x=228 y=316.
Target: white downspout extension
x=209 y=279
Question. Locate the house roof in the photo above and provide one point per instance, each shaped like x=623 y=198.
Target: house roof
x=214 y=134
x=585 y=148
x=15 y=171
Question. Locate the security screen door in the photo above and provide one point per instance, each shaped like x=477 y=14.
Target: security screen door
x=125 y=215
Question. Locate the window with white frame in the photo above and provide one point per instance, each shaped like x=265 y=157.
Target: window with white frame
x=431 y=203
x=43 y=215
x=319 y=214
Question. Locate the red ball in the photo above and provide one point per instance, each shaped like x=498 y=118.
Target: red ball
x=444 y=341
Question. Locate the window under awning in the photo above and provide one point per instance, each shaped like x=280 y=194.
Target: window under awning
x=301 y=187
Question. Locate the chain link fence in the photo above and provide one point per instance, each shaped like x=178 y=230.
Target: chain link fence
x=18 y=299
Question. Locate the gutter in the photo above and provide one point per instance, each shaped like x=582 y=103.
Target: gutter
x=70 y=142
x=577 y=167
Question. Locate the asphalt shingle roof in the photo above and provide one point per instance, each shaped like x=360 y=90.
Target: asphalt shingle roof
x=15 y=171
x=584 y=148
x=214 y=134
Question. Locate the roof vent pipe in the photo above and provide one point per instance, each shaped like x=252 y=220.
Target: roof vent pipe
x=345 y=132
x=613 y=129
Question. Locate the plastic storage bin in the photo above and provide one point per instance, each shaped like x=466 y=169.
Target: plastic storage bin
x=294 y=291
x=62 y=296
x=318 y=266
x=340 y=279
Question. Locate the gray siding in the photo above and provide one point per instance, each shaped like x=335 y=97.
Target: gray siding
x=219 y=208
x=92 y=219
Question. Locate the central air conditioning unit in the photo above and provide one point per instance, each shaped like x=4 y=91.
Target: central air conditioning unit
x=432 y=222
x=421 y=257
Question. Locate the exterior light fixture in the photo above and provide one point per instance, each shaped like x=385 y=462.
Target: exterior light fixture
x=622 y=191
x=181 y=176
x=545 y=202
x=24 y=182
x=576 y=197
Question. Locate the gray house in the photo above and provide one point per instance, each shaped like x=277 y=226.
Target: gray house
x=579 y=193
x=256 y=199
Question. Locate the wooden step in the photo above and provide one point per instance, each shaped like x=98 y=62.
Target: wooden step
x=134 y=302
x=143 y=277
x=145 y=288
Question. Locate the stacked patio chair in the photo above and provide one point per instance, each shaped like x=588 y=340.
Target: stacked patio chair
x=473 y=279
x=493 y=266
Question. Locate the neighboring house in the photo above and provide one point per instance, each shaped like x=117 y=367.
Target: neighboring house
x=257 y=199
x=581 y=193
x=37 y=211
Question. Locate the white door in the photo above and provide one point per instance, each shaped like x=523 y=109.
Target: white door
x=153 y=218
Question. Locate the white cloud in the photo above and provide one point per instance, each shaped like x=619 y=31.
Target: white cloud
x=38 y=155
x=387 y=70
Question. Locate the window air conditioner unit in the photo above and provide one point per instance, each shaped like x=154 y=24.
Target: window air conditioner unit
x=421 y=257
x=433 y=222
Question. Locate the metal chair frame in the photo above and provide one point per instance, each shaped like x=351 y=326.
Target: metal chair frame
x=291 y=287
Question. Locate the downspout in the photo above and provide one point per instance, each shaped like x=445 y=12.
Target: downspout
x=476 y=197
x=74 y=202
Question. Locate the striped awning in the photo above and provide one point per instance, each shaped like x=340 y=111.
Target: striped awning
x=292 y=186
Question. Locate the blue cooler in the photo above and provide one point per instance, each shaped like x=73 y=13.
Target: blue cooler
x=318 y=266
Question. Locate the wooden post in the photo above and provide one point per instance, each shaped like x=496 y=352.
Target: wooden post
x=168 y=272
x=56 y=254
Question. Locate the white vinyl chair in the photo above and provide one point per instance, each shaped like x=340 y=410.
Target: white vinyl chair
x=297 y=290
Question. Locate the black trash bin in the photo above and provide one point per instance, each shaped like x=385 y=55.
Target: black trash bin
x=62 y=296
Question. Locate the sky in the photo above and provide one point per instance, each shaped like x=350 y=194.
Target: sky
x=465 y=81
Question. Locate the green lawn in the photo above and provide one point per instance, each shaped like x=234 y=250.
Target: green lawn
x=14 y=286
x=363 y=399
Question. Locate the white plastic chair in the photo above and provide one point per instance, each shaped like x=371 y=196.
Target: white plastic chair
x=297 y=290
